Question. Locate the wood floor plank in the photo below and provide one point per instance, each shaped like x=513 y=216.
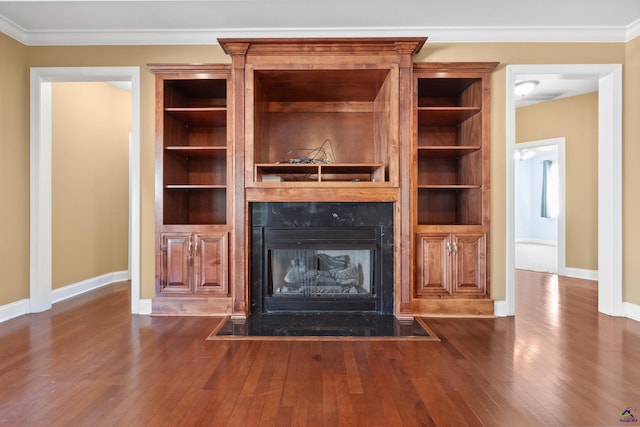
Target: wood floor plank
x=378 y=386
x=329 y=398
x=296 y=379
x=272 y=384
x=351 y=366
x=347 y=415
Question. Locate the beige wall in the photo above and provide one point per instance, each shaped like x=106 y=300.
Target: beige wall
x=576 y=119
x=14 y=171
x=505 y=53
x=631 y=174
x=90 y=180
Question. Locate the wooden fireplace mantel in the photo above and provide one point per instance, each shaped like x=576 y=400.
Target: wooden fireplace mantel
x=322 y=119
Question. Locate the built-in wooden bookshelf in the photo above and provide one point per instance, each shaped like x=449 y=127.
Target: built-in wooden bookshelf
x=193 y=183
x=194 y=158
x=451 y=185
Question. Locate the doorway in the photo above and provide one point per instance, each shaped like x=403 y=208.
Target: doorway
x=540 y=236
x=609 y=78
x=40 y=298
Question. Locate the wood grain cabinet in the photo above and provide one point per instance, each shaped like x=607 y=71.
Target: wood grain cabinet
x=193 y=264
x=450 y=188
x=175 y=264
x=193 y=187
x=451 y=264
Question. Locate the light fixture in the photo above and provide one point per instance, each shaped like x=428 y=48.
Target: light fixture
x=524 y=88
x=523 y=154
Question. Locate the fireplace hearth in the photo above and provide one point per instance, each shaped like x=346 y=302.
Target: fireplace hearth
x=322 y=257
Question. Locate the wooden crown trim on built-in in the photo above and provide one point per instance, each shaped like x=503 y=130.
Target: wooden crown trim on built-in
x=321 y=46
x=456 y=67
x=188 y=68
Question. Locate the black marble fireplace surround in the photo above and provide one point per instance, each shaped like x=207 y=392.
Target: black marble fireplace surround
x=324 y=258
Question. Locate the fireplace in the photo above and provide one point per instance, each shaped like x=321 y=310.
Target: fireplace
x=322 y=257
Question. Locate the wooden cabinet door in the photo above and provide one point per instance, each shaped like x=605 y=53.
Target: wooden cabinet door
x=469 y=264
x=434 y=264
x=210 y=264
x=451 y=264
x=175 y=266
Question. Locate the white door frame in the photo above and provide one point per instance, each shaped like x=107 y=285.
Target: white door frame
x=609 y=178
x=40 y=270
x=561 y=242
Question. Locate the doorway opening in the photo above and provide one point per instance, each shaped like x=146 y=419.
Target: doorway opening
x=539 y=168
x=40 y=298
x=609 y=77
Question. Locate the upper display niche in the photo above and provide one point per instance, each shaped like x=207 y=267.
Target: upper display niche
x=338 y=119
x=323 y=111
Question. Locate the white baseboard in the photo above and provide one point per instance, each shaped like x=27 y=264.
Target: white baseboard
x=19 y=308
x=631 y=311
x=501 y=309
x=14 y=309
x=145 y=307
x=537 y=241
x=579 y=273
x=79 y=288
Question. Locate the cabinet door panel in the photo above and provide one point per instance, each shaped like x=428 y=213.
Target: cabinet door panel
x=210 y=270
x=469 y=264
x=433 y=264
x=175 y=268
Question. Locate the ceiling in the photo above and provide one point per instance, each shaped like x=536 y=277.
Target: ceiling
x=152 y=22
x=551 y=87
x=92 y=22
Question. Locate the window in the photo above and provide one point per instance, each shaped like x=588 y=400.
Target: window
x=549 y=203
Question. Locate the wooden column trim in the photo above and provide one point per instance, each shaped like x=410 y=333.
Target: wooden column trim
x=404 y=271
x=239 y=251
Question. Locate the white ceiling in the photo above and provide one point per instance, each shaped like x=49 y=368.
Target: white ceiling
x=82 y=22
x=551 y=87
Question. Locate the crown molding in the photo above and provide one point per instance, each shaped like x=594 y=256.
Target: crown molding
x=633 y=30
x=12 y=30
x=435 y=34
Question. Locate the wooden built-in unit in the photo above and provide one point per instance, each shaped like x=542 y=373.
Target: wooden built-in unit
x=194 y=184
x=323 y=120
x=450 y=188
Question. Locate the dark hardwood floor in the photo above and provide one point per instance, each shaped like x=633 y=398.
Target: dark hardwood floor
x=88 y=362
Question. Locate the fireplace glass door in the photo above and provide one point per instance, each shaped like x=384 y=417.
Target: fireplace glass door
x=320 y=273
x=320 y=269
